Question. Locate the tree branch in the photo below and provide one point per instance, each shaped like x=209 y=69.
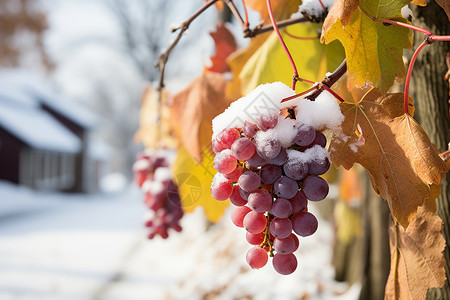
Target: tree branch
x=330 y=80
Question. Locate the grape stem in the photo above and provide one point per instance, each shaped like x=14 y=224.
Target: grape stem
x=267 y=241
x=326 y=84
x=295 y=77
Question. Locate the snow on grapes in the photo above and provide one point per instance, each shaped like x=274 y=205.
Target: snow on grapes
x=269 y=164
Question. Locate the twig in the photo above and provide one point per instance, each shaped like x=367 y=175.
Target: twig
x=163 y=57
x=330 y=80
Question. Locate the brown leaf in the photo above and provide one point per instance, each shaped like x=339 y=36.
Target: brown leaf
x=342 y=10
x=350 y=188
x=445 y=4
x=154 y=121
x=193 y=109
x=225 y=45
x=417 y=261
x=397 y=153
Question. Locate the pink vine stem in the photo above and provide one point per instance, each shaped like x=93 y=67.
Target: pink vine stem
x=323 y=6
x=245 y=12
x=295 y=78
x=408 y=75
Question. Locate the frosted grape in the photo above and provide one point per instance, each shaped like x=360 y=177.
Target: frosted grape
x=243 y=149
x=254 y=222
x=225 y=162
x=249 y=129
x=284 y=264
x=285 y=187
x=257 y=257
x=260 y=201
x=270 y=173
x=281 y=208
x=267 y=122
x=305 y=135
x=249 y=181
x=280 y=159
x=319 y=167
x=227 y=137
x=256 y=160
x=234 y=176
x=315 y=188
x=236 y=197
x=295 y=170
x=286 y=245
x=238 y=214
x=304 y=223
x=221 y=188
x=280 y=227
x=269 y=149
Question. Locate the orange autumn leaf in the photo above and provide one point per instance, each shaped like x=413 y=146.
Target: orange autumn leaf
x=401 y=161
x=417 y=261
x=350 y=188
x=341 y=10
x=281 y=8
x=193 y=109
x=225 y=45
x=419 y=2
x=154 y=121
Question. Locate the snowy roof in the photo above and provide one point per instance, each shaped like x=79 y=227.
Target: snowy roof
x=99 y=150
x=38 y=129
x=40 y=90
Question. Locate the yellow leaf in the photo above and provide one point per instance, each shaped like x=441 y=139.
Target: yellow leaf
x=348 y=222
x=374 y=51
x=154 y=130
x=269 y=63
x=281 y=8
x=194 y=179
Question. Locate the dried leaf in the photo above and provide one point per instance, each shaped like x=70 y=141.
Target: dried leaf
x=225 y=45
x=445 y=4
x=417 y=261
x=154 y=129
x=374 y=51
x=193 y=109
x=397 y=153
x=194 y=179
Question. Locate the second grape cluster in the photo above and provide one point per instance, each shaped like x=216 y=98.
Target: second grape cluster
x=270 y=184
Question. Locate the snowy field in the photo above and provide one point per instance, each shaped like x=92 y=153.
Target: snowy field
x=59 y=246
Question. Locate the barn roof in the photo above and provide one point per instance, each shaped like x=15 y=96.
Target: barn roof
x=37 y=128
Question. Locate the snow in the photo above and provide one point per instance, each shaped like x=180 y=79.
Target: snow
x=407 y=13
x=316 y=153
x=323 y=113
x=60 y=246
x=163 y=174
x=38 y=129
x=312 y=8
x=40 y=90
x=263 y=101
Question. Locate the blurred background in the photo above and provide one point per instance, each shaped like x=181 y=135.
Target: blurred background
x=72 y=79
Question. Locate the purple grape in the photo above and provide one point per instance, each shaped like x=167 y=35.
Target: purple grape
x=304 y=223
x=280 y=159
x=305 y=135
x=299 y=202
x=249 y=129
x=280 y=227
x=249 y=181
x=284 y=264
x=260 y=201
x=295 y=170
x=270 y=173
x=285 y=187
x=244 y=194
x=256 y=160
x=243 y=149
x=286 y=245
x=315 y=187
x=319 y=167
x=320 y=140
x=268 y=150
x=281 y=208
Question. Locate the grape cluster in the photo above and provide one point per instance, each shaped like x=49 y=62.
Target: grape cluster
x=270 y=187
x=153 y=175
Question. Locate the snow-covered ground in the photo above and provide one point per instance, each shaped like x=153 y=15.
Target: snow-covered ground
x=60 y=246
